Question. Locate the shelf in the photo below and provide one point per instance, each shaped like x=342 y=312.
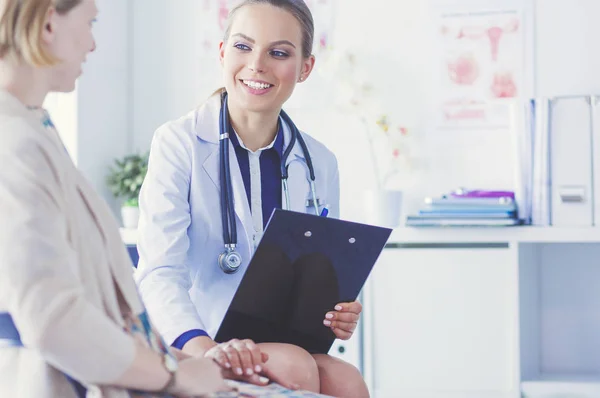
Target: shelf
x=495 y=235
x=471 y=235
x=562 y=386
x=129 y=236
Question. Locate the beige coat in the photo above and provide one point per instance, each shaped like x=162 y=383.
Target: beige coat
x=65 y=275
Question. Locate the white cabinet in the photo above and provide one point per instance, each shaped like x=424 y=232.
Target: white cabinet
x=444 y=322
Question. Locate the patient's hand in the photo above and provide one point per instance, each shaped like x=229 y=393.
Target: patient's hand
x=343 y=320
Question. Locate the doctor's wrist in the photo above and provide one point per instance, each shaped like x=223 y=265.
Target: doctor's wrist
x=198 y=346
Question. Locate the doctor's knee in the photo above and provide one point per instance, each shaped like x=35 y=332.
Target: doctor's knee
x=293 y=365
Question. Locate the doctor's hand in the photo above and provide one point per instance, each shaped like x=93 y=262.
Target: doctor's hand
x=343 y=320
x=241 y=360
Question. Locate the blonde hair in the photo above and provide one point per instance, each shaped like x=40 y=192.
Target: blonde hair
x=21 y=25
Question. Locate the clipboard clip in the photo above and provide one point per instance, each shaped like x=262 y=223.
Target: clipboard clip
x=310 y=202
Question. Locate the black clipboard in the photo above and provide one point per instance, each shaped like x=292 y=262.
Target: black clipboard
x=304 y=265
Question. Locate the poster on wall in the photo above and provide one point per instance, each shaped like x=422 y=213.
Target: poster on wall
x=482 y=68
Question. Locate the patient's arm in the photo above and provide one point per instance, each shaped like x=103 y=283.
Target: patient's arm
x=180 y=355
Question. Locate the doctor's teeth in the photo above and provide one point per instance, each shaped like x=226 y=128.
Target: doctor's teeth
x=256 y=85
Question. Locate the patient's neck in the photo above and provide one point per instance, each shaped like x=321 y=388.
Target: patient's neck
x=24 y=82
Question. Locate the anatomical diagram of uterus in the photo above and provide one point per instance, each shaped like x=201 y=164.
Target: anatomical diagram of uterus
x=463 y=70
x=492 y=33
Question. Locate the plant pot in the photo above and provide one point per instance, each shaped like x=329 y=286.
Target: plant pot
x=383 y=207
x=130 y=216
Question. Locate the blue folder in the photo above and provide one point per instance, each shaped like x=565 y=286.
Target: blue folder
x=303 y=266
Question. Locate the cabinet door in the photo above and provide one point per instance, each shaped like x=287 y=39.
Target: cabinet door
x=444 y=322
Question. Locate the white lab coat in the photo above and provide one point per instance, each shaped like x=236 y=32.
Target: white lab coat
x=180 y=232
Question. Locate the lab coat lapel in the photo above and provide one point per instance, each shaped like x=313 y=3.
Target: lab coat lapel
x=298 y=175
x=240 y=201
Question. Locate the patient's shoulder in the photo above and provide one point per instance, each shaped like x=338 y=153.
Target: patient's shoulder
x=26 y=150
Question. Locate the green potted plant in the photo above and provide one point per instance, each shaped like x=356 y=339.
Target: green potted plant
x=125 y=179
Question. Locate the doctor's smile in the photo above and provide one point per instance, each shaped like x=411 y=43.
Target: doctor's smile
x=257 y=87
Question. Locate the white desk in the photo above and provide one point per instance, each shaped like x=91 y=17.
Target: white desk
x=484 y=312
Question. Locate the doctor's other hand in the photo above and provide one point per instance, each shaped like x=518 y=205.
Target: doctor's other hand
x=344 y=319
x=198 y=377
x=240 y=360
x=243 y=360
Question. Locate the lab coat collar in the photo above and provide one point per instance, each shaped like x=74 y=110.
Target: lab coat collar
x=207 y=127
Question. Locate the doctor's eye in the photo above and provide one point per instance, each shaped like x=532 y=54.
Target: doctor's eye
x=242 y=47
x=279 y=54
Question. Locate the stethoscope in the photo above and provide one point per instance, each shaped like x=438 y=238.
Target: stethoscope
x=230 y=260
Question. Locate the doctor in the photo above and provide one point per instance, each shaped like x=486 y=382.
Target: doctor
x=214 y=177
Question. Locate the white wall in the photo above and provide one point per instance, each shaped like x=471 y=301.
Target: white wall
x=95 y=120
x=567 y=52
x=170 y=74
x=104 y=101
x=395 y=46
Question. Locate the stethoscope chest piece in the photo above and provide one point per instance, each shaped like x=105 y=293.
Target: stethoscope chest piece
x=230 y=261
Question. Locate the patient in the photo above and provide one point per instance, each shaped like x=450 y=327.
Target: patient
x=66 y=282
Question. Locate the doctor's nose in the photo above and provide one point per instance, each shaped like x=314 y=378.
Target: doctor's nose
x=256 y=64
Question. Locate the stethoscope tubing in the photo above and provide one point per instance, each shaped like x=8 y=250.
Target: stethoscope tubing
x=226 y=195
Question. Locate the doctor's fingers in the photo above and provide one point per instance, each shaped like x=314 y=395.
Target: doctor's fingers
x=354 y=307
x=218 y=355
x=348 y=317
x=233 y=358
x=255 y=355
x=343 y=330
x=249 y=355
x=343 y=334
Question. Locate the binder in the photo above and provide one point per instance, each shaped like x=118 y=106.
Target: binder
x=571 y=161
x=595 y=120
x=540 y=179
x=303 y=266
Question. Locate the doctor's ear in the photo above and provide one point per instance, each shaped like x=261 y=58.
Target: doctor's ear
x=221 y=52
x=308 y=65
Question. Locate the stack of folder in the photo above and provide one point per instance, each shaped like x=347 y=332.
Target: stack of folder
x=468 y=209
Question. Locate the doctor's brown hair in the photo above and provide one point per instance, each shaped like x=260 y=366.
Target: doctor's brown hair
x=297 y=8
x=21 y=25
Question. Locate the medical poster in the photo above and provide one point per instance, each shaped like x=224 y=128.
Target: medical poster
x=482 y=68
